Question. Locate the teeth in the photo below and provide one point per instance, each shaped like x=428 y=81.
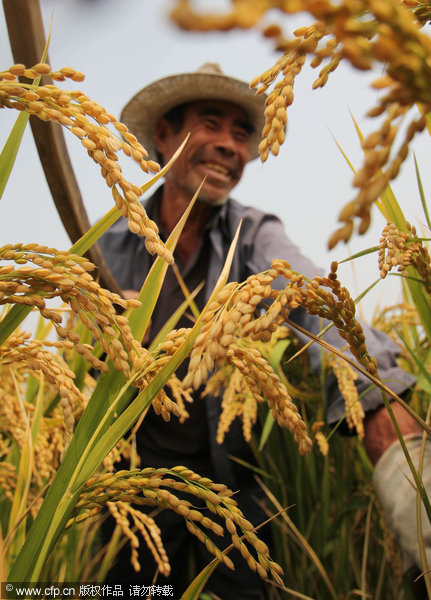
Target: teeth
x=218 y=168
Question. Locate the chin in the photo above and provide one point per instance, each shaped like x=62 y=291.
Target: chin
x=214 y=196
x=212 y=200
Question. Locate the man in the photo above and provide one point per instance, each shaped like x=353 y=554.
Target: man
x=224 y=119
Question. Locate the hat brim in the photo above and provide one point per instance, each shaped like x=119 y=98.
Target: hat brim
x=143 y=111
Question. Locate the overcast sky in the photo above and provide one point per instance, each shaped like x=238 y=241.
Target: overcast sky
x=122 y=46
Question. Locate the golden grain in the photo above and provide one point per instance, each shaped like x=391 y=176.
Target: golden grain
x=346 y=378
x=151 y=486
x=75 y=111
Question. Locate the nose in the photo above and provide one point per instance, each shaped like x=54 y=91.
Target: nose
x=226 y=143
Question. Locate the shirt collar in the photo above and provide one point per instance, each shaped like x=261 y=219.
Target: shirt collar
x=219 y=220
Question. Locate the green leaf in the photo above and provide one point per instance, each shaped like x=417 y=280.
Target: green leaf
x=392 y=210
x=346 y=158
x=10 y=149
x=88 y=239
x=197 y=585
x=12 y=320
x=422 y=194
x=250 y=466
x=423 y=364
x=359 y=254
x=266 y=430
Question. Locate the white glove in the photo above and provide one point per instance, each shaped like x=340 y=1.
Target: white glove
x=396 y=490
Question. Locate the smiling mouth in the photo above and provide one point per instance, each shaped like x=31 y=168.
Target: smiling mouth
x=218 y=168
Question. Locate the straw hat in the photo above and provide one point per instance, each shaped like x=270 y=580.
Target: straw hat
x=143 y=111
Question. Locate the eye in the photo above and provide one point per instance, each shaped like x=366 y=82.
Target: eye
x=211 y=123
x=241 y=135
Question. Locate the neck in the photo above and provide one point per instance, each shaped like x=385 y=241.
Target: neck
x=172 y=207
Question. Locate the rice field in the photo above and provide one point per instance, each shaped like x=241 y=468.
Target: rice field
x=74 y=391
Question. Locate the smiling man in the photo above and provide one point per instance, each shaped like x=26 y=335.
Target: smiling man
x=218 y=149
x=224 y=118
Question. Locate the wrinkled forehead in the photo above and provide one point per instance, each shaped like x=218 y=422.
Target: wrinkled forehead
x=221 y=109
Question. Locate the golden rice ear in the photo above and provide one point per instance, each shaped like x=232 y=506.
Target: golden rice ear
x=238 y=401
x=397 y=249
x=169 y=489
x=229 y=328
x=88 y=121
x=37 y=357
x=147 y=528
x=67 y=276
x=346 y=378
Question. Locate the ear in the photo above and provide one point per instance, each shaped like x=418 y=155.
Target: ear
x=161 y=134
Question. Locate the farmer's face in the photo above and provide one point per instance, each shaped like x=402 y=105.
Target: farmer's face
x=218 y=149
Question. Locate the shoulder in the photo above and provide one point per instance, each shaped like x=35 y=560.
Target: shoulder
x=252 y=218
x=117 y=238
x=263 y=237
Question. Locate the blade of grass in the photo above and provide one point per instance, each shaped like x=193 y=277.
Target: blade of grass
x=420 y=299
x=10 y=150
x=197 y=585
x=13 y=318
x=185 y=290
x=302 y=541
x=421 y=541
x=366 y=552
x=92 y=235
x=419 y=362
x=392 y=210
x=422 y=194
x=359 y=254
